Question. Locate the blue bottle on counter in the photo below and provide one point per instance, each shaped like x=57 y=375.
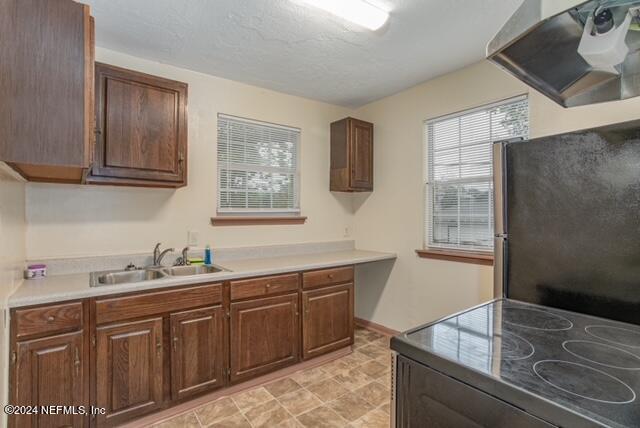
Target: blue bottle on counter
x=208 y=256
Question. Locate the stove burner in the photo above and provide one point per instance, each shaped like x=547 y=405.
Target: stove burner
x=514 y=347
x=617 y=335
x=584 y=381
x=535 y=319
x=600 y=353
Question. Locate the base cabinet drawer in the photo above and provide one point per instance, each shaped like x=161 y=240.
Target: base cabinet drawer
x=198 y=351
x=327 y=320
x=128 y=374
x=48 y=319
x=50 y=372
x=264 y=335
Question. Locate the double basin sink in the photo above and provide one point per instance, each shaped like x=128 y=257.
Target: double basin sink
x=149 y=274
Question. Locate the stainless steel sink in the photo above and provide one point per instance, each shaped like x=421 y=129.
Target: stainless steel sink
x=122 y=277
x=193 y=270
x=139 y=275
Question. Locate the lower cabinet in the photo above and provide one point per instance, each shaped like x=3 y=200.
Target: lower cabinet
x=128 y=370
x=327 y=319
x=49 y=372
x=264 y=335
x=198 y=351
x=138 y=353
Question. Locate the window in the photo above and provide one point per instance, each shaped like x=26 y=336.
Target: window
x=459 y=188
x=258 y=169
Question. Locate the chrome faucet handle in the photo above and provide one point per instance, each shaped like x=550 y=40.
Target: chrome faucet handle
x=130 y=267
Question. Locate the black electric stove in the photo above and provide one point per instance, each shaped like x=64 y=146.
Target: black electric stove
x=561 y=368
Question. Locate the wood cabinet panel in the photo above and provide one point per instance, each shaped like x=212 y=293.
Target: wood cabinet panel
x=145 y=304
x=351 y=156
x=327 y=319
x=320 y=278
x=264 y=286
x=45 y=114
x=198 y=351
x=361 y=151
x=129 y=376
x=48 y=319
x=49 y=372
x=264 y=335
x=142 y=123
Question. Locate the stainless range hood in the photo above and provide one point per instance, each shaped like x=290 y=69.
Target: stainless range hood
x=545 y=45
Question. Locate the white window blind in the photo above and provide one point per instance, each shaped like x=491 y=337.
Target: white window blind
x=257 y=167
x=459 y=188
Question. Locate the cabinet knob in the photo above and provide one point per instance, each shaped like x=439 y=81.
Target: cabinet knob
x=330 y=276
x=51 y=318
x=268 y=285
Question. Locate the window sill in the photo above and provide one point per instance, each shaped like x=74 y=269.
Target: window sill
x=457 y=256
x=256 y=220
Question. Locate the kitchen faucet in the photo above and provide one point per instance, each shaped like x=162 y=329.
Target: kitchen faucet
x=158 y=256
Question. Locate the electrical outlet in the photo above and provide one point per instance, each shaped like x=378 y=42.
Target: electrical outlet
x=346 y=232
x=192 y=238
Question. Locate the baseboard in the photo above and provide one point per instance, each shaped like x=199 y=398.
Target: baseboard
x=378 y=328
x=233 y=389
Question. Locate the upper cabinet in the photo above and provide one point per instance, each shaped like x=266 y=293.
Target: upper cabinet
x=141 y=129
x=46 y=88
x=351 y=156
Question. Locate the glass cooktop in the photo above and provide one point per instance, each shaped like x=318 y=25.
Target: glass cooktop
x=580 y=364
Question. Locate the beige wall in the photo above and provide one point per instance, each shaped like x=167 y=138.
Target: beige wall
x=91 y=220
x=391 y=218
x=12 y=256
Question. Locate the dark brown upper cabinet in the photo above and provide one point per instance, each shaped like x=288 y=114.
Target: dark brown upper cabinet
x=351 y=156
x=46 y=88
x=141 y=129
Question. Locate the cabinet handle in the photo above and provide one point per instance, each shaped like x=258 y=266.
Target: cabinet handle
x=76 y=363
x=158 y=346
x=175 y=342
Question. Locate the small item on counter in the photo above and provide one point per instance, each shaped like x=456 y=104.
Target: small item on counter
x=35 y=271
x=208 y=255
x=196 y=261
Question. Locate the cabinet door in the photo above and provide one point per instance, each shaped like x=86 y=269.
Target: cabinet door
x=128 y=370
x=49 y=372
x=142 y=128
x=198 y=348
x=264 y=335
x=327 y=320
x=361 y=155
x=46 y=68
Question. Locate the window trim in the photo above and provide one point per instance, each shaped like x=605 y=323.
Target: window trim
x=454 y=253
x=258 y=216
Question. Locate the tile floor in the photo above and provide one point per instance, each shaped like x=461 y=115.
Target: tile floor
x=352 y=391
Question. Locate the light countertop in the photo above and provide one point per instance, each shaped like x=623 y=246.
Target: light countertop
x=76 y=286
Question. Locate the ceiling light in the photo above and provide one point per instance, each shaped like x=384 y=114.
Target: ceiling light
x=359 y=12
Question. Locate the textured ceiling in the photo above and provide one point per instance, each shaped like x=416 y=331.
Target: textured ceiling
x=296 y=49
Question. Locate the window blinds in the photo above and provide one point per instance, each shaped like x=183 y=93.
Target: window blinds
x=257 y=167
x=459 y=188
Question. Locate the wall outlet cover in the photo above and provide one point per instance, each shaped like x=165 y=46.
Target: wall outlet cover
x=192 y=238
